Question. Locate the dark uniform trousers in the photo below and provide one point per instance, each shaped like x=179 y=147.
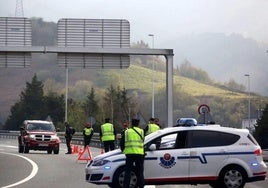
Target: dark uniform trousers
x=138 y=160
x=108 y=145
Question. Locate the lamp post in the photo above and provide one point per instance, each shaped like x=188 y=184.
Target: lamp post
x=66 y=94
x=247 y=75
x=153 y=68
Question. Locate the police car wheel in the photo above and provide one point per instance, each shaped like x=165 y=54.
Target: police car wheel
x=118 y=178
x=232 y=177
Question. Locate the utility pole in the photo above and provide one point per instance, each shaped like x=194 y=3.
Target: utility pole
x=66 y=94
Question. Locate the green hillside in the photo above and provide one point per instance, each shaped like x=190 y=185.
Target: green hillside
x=137 y=77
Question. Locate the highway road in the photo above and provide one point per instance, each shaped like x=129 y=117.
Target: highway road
x=39 y=169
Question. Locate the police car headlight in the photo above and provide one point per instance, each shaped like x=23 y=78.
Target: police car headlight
x=100 y=162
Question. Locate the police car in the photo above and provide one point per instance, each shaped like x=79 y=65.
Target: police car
x=219 y=156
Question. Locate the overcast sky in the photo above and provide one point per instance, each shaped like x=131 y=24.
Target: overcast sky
x=166 y=19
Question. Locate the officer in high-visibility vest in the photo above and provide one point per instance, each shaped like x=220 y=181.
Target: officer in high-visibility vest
x=87 y=133
x=151 y=127
x=133 y=147
x=107 y=135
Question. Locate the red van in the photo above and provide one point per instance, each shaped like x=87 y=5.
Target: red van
x=38 y=135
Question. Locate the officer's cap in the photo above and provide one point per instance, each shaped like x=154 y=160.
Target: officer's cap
x=135 y=122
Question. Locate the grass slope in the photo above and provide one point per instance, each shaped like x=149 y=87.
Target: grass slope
x=137 y=77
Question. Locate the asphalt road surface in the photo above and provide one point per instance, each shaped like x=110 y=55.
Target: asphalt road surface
x=39 y=169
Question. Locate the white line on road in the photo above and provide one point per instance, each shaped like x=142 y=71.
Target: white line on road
x=33 y=173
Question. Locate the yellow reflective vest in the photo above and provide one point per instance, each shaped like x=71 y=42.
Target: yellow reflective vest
x=134 y=141
x=107 y=130
x=152 y=128
x=88 y=131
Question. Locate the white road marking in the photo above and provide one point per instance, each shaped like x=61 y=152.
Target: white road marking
x=33 y=173
x=8 y=146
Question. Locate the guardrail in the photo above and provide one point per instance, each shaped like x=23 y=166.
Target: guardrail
x=77 y=138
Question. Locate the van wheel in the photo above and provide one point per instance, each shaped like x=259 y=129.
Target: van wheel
x=56 y=151
x=118 y=178
x=49 y=151
x=232 y=177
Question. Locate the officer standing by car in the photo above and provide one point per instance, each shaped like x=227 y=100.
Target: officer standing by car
x=87 y=133
x=133 y=147
x=107 y=135
x=157 y=122
x=151 y=127
x=68 y=136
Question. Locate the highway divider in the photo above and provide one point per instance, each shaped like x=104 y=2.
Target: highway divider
x=77 y=138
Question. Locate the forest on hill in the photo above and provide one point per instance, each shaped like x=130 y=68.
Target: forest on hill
x=192 y=86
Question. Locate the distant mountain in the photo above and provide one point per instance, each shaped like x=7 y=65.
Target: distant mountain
x=225 y=57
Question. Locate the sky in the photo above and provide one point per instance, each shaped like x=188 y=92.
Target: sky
x=165 y=19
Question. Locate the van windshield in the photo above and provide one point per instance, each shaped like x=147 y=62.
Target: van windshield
x=41 y=126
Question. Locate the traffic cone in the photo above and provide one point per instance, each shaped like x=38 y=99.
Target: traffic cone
x=76 y=149
x=81 y=150
x=72 y=147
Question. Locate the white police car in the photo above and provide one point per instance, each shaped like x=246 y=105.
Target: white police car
x=219 y=156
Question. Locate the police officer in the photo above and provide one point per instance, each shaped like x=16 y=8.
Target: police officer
x=157 y=122
x=125 y=126
x=87 y=133
x=132 y=147
x=151 y=127
x=68 y=137
x=107 y=135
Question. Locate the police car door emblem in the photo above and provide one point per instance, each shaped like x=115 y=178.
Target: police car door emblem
x=167 y=161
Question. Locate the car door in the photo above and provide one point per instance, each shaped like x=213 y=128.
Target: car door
x=169 y=161
x=207 y=154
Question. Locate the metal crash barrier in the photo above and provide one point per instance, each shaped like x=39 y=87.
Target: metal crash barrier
x=77 y=138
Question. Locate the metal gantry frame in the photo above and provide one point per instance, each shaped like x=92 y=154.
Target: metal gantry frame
x=167 y=53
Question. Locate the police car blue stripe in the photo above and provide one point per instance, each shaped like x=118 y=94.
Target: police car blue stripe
x=203 y=159
x=119 y=160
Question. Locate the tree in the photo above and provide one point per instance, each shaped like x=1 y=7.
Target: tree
x=91 y=106
x=261 y=130
x=55 y=107
x=109 y=101
x=30 y=105
x=76 y=114
x=33 y=99
x=117 y=105
x=235 y=86
x=189 y=71
x=34 y=105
